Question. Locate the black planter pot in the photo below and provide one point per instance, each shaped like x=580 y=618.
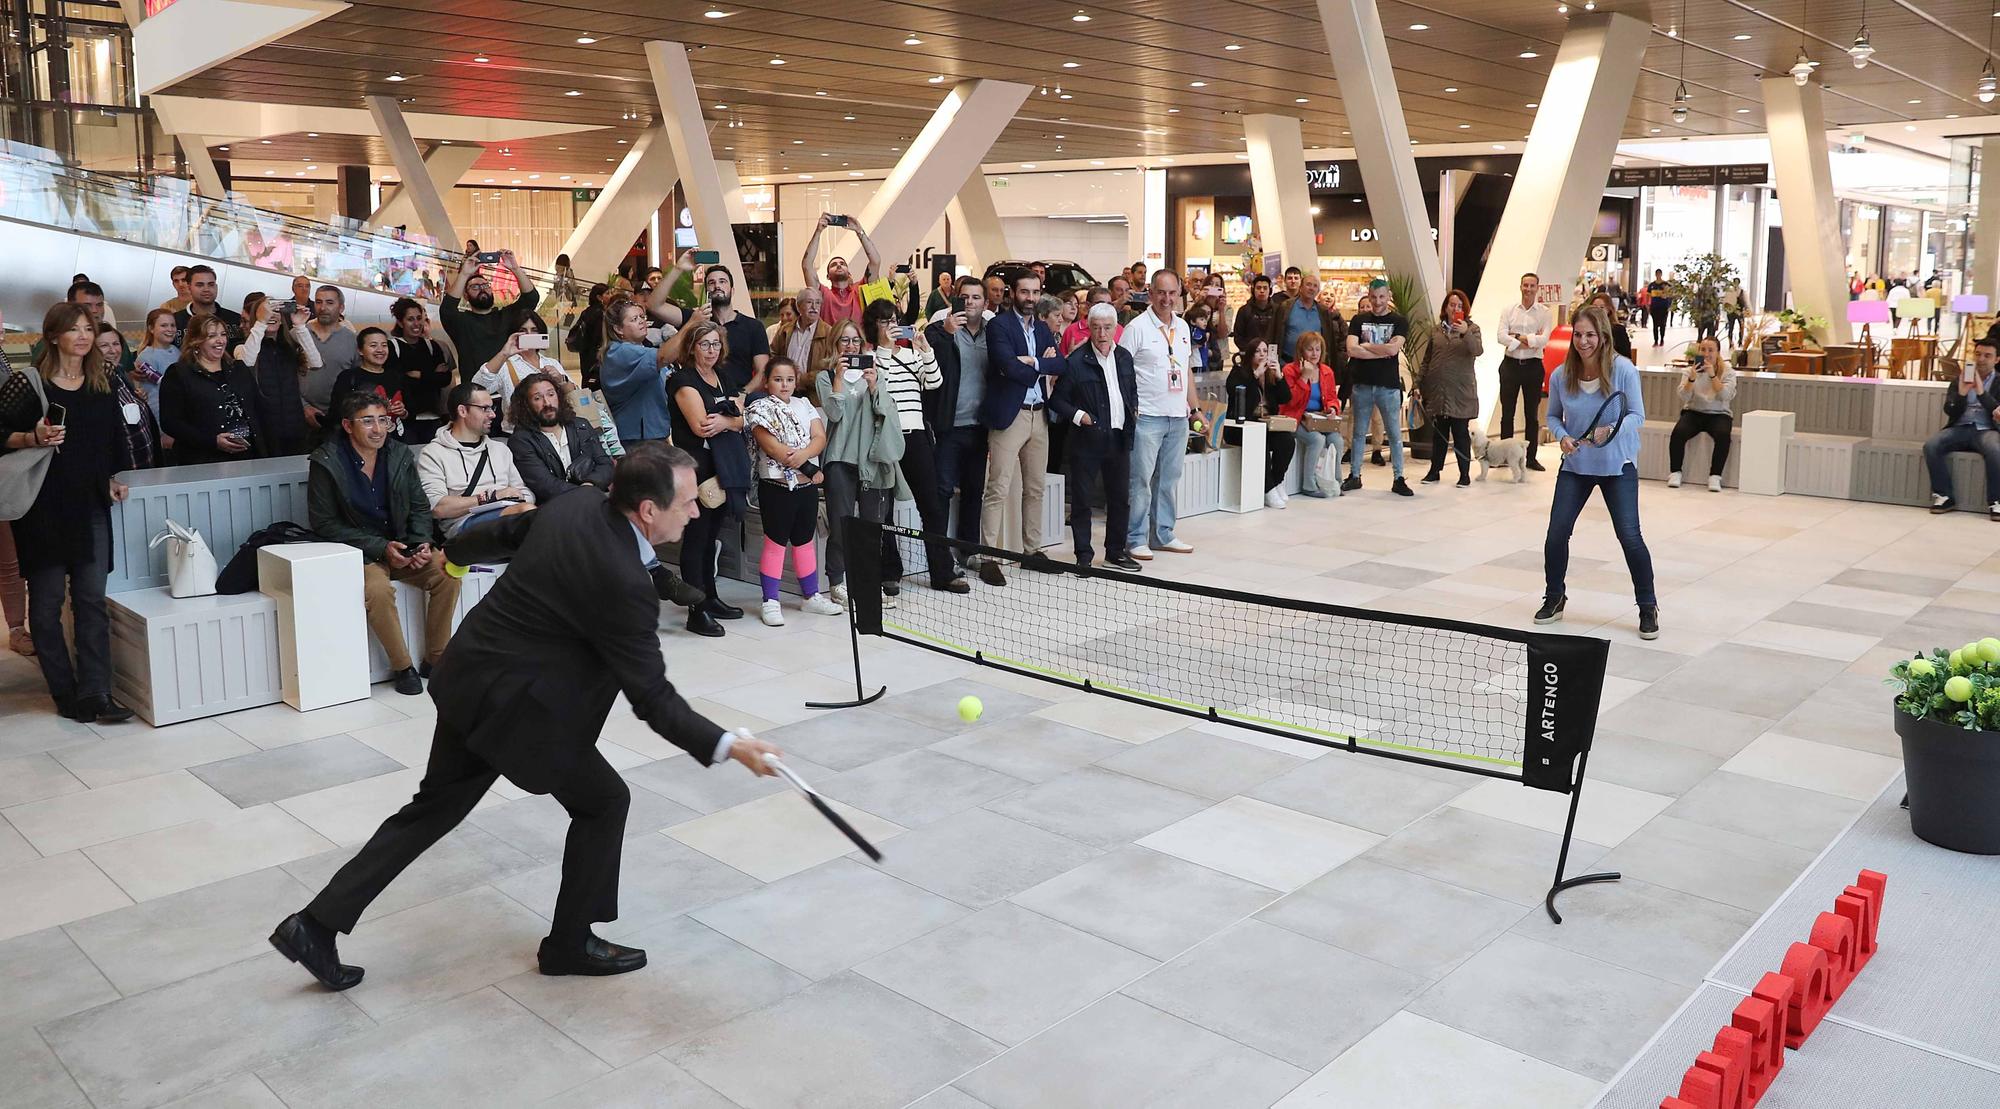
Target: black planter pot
x=1954 y=781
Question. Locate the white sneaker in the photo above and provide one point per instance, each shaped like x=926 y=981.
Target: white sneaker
x=819 y=605
x=840 y=595
x=1674 y=480
x=1143 y=554
x=1178 y=547
x=772 y=615
x=1274 y=499
x=1715 y=483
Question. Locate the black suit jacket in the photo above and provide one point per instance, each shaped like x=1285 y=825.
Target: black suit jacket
x=1082 y=388
x=542 y=469
x=533 y=671
x=1954 y=402
x=941 y=404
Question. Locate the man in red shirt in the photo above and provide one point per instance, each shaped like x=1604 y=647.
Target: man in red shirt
x=842 y=295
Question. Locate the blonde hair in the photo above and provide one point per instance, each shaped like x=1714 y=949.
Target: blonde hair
x=1573 y=366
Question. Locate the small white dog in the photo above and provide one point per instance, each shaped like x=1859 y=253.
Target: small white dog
x=1511 y=453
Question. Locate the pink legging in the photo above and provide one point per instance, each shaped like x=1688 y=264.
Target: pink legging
x=13 y=591
x=771 y=567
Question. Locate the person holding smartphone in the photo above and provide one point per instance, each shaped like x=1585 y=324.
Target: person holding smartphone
x=843 y=294
x=65 y=405
x=208 y=400
x=477 y=326
x=526 y=352
x=1969 y=425
x=1260 y=382
x=1449 y=386
x=1706 y=391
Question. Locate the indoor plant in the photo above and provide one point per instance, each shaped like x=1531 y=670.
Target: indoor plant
x=1948 y=717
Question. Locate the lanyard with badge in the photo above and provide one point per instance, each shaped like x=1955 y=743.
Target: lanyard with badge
x=1175 y=382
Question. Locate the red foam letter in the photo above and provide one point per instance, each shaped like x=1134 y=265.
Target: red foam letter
x=1763 y=1017
x=1806 y=966
x=1702 y=1088
x=1835 y=936
x=1728 y=1073
x=1866 y=928
x=1740 y=1048
x=1876 y=883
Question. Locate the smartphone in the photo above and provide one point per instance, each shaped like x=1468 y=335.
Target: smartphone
x=904 y=333
x=57 y=414
x=836 y=221
x=902 y=269
x=958 y=303
x=533 y=342
x=858 y=362
x=707 y=257
x=489 y=257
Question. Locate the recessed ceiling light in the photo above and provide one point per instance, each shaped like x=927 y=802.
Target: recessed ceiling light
x=564 y=177
x=1743 y=111
x=397 y=76
x=1913 y=101
x=299 y=173
x=270 y=173
x=312 y=167
x=798 y=142
x=1909 y=126
x=1949 y=115
x=1173 y=111
x=777 y=61
x=819 y=92
x=1420 y=26
x=312 y=134
x=849 y=119
x=1654 y=131
x=1197 y=84
x=489 y=180
x=1527 y=54
x=573 y=92
x=1079 y=17
x=224 y=149
x=1741 y=38
x=534 y=177
x=1451 y=88
x=562 y=148
x=1243 y=157
x=1531 y=104
x=586 y=40
x=1233 y=46
x=482 y=59
x=1465 y=126
x=1300 y=100
x=1027 y=165
x=913 y=41
x=610 y=159
x=621 y=142
x=1066 y=96
x=716 y=13
x=805 y=176
x=1072 y=65
x=515 y=181
x=1499 y=146
x=937 y=80
x=265 y=142
x=854 y=173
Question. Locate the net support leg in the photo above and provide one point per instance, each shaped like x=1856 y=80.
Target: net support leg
x=861 y=694
x=1562 y=857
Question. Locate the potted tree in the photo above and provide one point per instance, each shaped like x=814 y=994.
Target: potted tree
x=1948 y=717
x=1697 y=284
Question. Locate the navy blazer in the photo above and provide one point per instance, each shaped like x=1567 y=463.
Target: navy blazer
x=1082 y=389
x=1007 y=377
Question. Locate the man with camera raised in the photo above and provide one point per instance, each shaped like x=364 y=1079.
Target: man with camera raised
x=843 y=295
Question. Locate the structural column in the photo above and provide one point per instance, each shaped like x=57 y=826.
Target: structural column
x=687 y=141
x=973 y=213
x=1278 y=184
x=444 y=165
x=1559 y=185
x=932 y=172
x=641 y=183
x=1985 y=275
x=1382 y=143
x=417 y=183
x=207 y=179
x=1814 y=260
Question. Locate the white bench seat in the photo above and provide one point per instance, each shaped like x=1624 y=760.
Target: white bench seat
x=174 y=660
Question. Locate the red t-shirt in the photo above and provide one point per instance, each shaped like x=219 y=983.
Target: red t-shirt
x=841 y=304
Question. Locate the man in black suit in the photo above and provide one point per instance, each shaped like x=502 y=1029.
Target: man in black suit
x=1098 y=396
x=523 y=691
x=555 y=451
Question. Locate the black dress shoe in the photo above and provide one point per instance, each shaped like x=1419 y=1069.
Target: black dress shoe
x=598 y=957
x=407 y=682
x=891 y=588
x=955 y=585
x=101 y=709
x=701 y=623
x=311 y=946
x=721 y=609
x=1536 y=466
x=989 y=572
x=672 y=587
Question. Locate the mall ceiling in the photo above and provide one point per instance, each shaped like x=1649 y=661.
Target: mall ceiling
x=1122 y=81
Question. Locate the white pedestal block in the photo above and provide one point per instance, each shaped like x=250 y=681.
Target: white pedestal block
x=1767 y=438
x=1243 y=469
x=322 y=623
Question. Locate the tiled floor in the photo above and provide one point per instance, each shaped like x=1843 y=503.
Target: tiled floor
x=1083 y=902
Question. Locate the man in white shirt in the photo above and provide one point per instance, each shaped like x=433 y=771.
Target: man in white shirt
x=1160 y=344
x=1095 y=397
x=470 y=477
x=1524 y=331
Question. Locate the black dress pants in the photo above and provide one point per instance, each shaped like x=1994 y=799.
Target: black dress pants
x=1106 y=455
x=594 y=795
x=701 y=546
x=920 y=471
x=1522 y=377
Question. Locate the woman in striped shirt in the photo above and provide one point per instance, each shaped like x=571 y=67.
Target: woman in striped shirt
x=904 y=374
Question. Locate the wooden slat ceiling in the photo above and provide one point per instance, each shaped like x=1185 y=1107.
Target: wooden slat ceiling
x=1130 y=95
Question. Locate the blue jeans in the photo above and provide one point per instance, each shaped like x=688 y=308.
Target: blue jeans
x=1939 y=448
x=1621 y=496
x=1311 y=445
x=1159 y=448
x=1389 y=402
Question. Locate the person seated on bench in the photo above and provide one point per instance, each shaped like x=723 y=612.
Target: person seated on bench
x=363 y=490
x=1968 y=427
x=554 y=451
x=469 y=476
x=1705 y=392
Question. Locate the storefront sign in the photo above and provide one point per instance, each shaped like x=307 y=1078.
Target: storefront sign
x=1639 y=177
x=1324 y=177
x=1369 y=235
x=1634 y=177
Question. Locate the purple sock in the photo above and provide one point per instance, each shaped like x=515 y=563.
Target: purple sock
x=809 y=583
x=770 y=587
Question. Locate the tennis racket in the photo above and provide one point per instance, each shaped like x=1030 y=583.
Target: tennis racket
x=825 y=809
x=1612 y=412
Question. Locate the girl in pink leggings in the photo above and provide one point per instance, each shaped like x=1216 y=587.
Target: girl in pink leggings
x=790 y=435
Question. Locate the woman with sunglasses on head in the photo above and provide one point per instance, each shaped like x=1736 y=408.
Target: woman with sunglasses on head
x=708 y=425
x=1600 y=447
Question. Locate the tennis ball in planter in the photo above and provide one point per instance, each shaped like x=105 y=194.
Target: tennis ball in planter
x=1956 y=661
x=1970 y=653
x=1989 y=649
x=1959 y=689
x=1921 y=668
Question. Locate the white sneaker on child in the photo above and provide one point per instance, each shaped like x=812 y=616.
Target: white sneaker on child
x=1274 y=498
x=1674 y=480
x=772 y=615
x=840 y=595
x=819 y=605
x=1715 y=483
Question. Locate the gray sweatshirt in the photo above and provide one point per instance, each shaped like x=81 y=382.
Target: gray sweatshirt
x=1708 y=394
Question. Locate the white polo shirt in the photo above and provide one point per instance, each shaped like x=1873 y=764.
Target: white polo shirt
x=1160 y=357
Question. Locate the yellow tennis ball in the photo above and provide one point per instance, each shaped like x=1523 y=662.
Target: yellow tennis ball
x=454 y=569
x=969 y=708
x=1959 y=689
x=1989 y=649
x=1920 y=668
x=1970 y=653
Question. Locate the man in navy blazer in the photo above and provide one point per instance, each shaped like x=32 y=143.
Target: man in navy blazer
x=1021 y=363
x=1101 y=408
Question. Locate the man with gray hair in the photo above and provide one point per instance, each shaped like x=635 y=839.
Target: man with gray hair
x=338 y=352
x=1096 y=399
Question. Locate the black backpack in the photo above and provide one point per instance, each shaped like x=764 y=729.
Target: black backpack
x=240 y=576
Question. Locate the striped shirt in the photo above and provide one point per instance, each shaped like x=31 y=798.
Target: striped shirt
x=905 y=374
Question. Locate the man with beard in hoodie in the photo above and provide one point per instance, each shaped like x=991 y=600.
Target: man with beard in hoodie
x=476 y=327
x=469 y=477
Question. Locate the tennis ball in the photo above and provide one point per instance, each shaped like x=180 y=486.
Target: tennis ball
x=454 y=569
x=1959 y=689
x=1970 y=653
x=969 y=708
x=1920 y=668
x=1989 y=649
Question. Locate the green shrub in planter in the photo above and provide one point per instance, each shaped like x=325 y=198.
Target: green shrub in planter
x=1948 y=717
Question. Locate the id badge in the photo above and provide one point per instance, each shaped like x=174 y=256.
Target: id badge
x=1174 y=380
x=131 y=411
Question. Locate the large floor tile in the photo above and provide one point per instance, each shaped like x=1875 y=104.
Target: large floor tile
x=66 y=823
x=274 y=775
x=829 y=918
x=156 y=751
x=1869 y=727
x=779 y=835
x=1394 y=916
x=1705 y=728
x=919 y=787
x=469 y=856
x=188 y=933
x=1374 y=794
x=1397 y=1064
x=1579 y=1013
x=439 y=950
x=349 y=814
x=1261 y=842
x=27 y=778
x=1801 y=639
x=35 y=1077
x=243 y=1091
x=1005 y=972
x=1803 y=818
x=694 y=978
x=1754 y=681
x=281 y=725
x=936 y=706
x=707 y=789
x=1124 y=1052
x=481 y=1049
x=44 y=975
x=1652 y=929
x=1648 y=765
x=1482 y=853
x=658 y=878
x=1115 y=719
x=1608 y=812
x=1033 y=748
x=1099 y=807
x=650 y=1083
x=1821 y=767
x=159 y=1045
x=538 y=825
x=845 y=1043
x=13 y=848
x=1714 y=863
x=56 y=890
x=1202 y=764
x=856 y=737
x=38 y=729
x=1286 y=995
x=1154 y=904
x=979 y=857
x=153 y=864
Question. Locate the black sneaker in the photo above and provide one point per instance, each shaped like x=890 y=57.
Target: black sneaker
x=407 y=682
x=1941 y=503
x=1551 y=610
x=1352 y=483
x=1464 y=480
x=1649 y=621
x=1402 y=488
x=1124 y=562
x=1431 y=478
x=1375 y=457
x=891 y=588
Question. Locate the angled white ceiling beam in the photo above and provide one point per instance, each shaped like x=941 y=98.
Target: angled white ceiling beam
x=191 y=36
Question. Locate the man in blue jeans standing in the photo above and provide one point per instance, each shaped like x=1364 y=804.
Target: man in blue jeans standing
x=1374 y=364
x=1161 y=345
x=1969 y=425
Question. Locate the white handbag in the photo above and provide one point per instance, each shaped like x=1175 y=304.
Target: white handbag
x=190 y=564
x=22 y=471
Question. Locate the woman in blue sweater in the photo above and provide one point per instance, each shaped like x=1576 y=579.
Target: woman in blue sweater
x=1597 y=454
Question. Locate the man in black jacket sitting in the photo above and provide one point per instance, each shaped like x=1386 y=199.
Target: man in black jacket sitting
x=1098 y=397
x=555 y=451
x=1969 y=425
